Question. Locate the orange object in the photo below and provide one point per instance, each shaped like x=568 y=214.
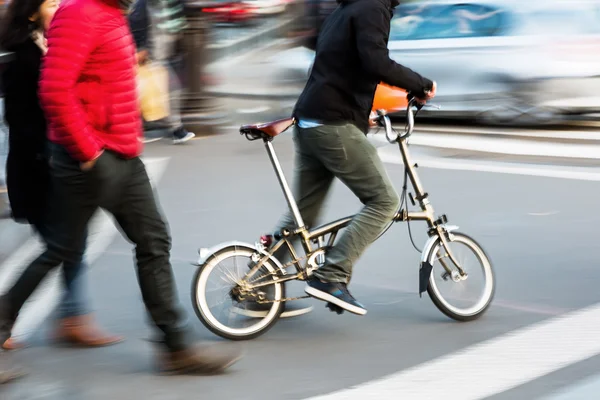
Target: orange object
x=389 y=98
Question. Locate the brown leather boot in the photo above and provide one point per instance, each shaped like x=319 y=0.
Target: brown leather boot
x=201 y=359
x=83 y=331
x=12 y=344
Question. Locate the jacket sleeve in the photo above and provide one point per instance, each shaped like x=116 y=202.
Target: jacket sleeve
x=372 y=33
x=71 y=39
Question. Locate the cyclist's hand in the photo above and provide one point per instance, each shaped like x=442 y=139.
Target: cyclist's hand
x=429 y=95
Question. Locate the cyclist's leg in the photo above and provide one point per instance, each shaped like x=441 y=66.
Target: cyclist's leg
x=311 y=184
x=354 y=160
x=312 y=181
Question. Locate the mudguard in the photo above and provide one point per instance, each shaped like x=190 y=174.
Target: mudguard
x=207 y=253
x=426 y=268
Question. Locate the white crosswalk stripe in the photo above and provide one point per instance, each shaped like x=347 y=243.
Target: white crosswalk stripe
x=494 y=366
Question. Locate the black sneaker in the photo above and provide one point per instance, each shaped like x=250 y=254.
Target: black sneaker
x=336 y=293
x=181 y=135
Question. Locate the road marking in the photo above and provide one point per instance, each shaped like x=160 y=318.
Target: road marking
x=491 y=367
x=543 y=214
x=47 y=296
x=523 y=133
x=255 y=110
x=392 y=156
x=493 y=145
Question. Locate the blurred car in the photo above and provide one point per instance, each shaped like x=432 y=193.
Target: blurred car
x=229 y=12
x=266 y=7
x=241 y=11
x=499 y=61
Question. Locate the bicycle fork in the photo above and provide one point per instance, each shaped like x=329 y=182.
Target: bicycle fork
x=427 y=214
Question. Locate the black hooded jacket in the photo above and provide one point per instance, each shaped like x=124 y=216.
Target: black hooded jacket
x=351 y=59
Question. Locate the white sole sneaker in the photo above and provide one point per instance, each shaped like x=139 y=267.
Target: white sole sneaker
x=261 y=314
x=334 y=300
x=184 y=139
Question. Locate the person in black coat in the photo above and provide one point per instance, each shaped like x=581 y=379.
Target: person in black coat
x=27 y=168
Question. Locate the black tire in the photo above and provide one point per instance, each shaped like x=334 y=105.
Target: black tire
x=440 y=302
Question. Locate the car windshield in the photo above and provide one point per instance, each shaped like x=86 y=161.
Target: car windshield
x=440 y=21
x=463 y=20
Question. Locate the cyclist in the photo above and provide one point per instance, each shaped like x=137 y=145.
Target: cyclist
x=332 y=121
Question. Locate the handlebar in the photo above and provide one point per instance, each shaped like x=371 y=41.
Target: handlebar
x=382 y=119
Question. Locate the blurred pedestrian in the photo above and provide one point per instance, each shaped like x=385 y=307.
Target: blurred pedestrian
x=157 y=27
x=27 y=169
x=88 y=92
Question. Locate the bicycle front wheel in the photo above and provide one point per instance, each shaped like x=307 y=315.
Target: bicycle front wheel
x=461 y=298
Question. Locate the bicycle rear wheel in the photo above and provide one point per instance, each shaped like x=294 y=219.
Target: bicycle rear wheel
x=480 y=277
x=220 y=309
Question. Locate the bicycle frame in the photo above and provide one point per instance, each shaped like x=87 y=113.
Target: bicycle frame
x=317 y=235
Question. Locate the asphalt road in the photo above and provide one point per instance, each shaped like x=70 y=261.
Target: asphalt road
x=539 y=231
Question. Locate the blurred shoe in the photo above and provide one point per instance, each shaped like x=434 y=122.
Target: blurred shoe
x=181 y=135
x=84 y=332
x=150 y=139
x=11 y=374
x=12 y=344
x=201 y=358
x=155 y=130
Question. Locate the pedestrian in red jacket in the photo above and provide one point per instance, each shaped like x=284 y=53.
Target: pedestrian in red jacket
x=88 y=93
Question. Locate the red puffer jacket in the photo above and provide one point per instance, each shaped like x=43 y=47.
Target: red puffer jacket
x=88 y=83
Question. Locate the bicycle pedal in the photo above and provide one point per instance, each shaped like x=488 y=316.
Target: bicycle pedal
x=335 y=308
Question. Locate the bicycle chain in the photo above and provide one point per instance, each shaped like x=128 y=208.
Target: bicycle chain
x=285 y=266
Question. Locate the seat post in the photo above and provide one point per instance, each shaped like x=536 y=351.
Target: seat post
x=284 y=185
